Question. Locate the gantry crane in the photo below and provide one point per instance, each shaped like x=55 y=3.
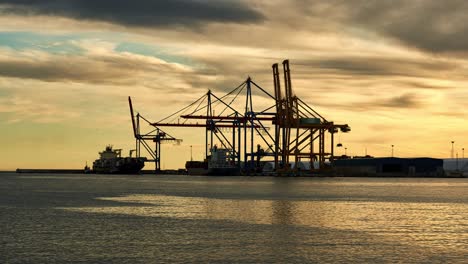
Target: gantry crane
x=230 y=120
x=298 y=126
x=157 y=136
x=300 y=131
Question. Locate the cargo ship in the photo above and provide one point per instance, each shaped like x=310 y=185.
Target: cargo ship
x=112 y=162
x=196 y=167
x=221 y=162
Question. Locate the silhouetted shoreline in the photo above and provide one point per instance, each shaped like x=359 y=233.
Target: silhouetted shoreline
x=49 y=171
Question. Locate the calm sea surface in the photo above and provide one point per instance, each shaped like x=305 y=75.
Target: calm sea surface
x=185 y=219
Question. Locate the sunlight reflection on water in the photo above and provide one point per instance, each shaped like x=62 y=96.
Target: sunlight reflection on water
x=427 y=224
x=179 y=219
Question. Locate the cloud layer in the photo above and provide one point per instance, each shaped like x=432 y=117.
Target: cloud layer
x=379 y=66
x=147 y=13
x=430 y=25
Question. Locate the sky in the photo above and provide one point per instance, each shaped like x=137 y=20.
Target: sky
x=395 y=71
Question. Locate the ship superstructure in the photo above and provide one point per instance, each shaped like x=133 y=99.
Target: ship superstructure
x=222 y=162
x=111 y=161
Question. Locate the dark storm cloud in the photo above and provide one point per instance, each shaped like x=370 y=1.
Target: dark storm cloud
x=380 y=66
x=431 y=25
x=423 y=85
x=143 y=13
x=403 y=101
x=64 y=70
x=111 y=69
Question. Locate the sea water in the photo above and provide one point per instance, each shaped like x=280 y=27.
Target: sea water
x=53 y=218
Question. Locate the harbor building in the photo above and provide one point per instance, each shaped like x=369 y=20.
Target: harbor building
x=389 y=167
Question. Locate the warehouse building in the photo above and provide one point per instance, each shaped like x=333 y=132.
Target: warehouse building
x=389 y=167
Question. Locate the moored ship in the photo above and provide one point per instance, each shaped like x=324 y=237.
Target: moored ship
x=196 y=167
x=221 y=162
x=111 y=161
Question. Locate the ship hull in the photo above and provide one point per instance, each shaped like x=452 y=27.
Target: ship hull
x=224 y=171
x=196 y=167
x=119 y=166
x=197 y=171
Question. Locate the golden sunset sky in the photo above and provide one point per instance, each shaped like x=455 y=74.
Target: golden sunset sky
x=395 y=71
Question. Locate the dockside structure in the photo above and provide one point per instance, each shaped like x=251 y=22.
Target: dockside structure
x=300 y=133
x=389 y=167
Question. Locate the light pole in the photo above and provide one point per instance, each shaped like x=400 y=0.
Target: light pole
x=345 y=151
x=451 y=155
x=191 y=156
x=392 y=150
x=463 y=153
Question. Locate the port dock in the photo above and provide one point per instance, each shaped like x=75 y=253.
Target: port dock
x=286 y=132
